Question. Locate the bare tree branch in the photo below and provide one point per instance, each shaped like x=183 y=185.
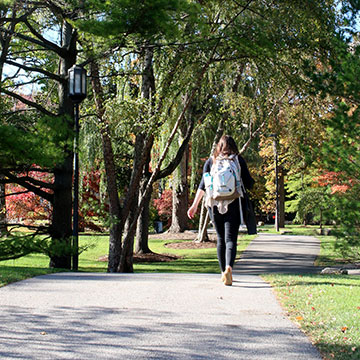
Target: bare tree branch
x=28 y=102
x=14 y=194
x=32 y=181
x=257 y=131
x=40 y=228
x=46 y=45
x=26 y=168
x=31 y=187
x=31 y=82
x=176 y=160
x=36 y=69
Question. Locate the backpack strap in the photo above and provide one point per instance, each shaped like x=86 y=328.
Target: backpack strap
x=241 y=212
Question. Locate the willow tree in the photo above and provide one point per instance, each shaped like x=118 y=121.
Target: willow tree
x=130 y=28
x=224 y=32
x=273 y=46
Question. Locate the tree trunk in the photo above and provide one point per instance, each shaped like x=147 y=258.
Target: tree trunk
x=281 y=198
x=126 y=259
x=180 y=193
x=61 y=229
x=203 y=234
x=110 y=171
x=180 y=198
x=147 y=92
x=127 y=244
x=142 y=230
x=321 y=216
x=3 y=226
x=202 y=231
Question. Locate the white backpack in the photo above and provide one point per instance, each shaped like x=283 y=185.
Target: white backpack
x=223 y=182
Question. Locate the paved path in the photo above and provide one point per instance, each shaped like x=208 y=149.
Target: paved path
x=151 y=316
x=270 y=253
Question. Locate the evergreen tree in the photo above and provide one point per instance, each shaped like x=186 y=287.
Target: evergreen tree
x=38 y=130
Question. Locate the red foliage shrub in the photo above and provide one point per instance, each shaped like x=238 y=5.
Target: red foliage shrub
x=164 y=205
x=335 y=180
x=90 y=202
x=24 y=206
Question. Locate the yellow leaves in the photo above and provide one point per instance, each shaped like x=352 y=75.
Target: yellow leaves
x=352 y=110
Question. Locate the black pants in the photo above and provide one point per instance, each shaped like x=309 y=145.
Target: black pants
x=227 y=228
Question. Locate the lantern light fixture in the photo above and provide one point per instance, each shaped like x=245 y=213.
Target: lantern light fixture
x=77 y=83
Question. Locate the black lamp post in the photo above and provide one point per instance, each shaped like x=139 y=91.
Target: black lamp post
x=277 y=205
x=277 y=215
x=77 y=93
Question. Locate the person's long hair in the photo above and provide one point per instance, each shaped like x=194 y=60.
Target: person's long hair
x=226 y=147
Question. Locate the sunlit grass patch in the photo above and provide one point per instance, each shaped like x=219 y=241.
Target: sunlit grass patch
x=309 y=230
x=192 y=260
x=9 y=274
x=329 y=256
x=326 y=307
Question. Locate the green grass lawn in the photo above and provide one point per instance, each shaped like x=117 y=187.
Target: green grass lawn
x=327 y=308
x=310 y=230
x=192 y=260
x=328 y=256
x=9 y=274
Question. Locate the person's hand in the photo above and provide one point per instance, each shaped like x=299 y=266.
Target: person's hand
x=191 y=212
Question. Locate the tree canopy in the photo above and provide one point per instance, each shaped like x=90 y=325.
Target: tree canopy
x=165 y=76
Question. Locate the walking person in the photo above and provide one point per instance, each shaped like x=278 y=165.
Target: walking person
x=225 y=209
